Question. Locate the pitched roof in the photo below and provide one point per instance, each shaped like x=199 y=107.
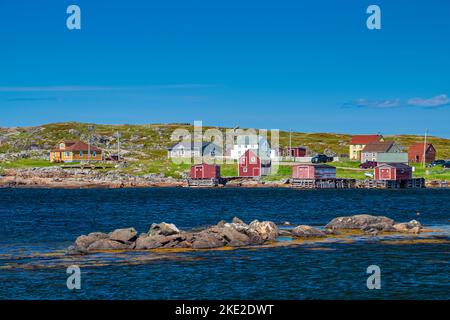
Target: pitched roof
x=193 y=146
x=76 y=146
x=365 y=138
x=315 y=165
x=395 y=165
x=418 y=147
x=380 y=146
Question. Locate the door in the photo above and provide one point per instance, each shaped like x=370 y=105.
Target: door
x=256 y=172
x=385 y=174
x=199 y=172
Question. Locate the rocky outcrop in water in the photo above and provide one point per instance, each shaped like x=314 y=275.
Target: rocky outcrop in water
x=165 y=235
x=410 y=227
x=363 y=222
x=303 y=231
x=235 y=234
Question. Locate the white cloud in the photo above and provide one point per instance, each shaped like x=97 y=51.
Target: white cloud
x=437 y=101
x=363 y=103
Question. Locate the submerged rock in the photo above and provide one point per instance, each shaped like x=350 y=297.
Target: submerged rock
x=303 y=231
x=362 y=222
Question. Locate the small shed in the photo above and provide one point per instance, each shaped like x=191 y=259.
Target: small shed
x=293 y=152
x=313 y=171
x=393 y=171
x=415 y=152
x=204 y=171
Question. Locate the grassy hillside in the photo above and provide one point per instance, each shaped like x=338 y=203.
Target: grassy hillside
x=145 y=146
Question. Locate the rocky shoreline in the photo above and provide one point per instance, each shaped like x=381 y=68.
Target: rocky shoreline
x=63 y=178
x=236 y=233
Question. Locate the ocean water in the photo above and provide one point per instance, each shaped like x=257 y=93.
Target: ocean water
x=38 y=224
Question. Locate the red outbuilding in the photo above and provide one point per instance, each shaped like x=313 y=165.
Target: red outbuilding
x=313 y=171
x=293 y=152
x=393 y=171
x=204 y=171
x=415 y=152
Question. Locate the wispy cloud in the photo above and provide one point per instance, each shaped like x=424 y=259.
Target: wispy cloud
x=434 y=102
x=30 y=99
x=101 y=88
x=363 y=103
x=437 y=101
x=55 y=88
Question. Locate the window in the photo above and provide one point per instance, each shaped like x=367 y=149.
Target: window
x=94 y=154
x=67 y=154
x=253 y=160
x=81 y=154
x=244 y=169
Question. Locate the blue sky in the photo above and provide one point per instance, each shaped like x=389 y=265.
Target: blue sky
x=307 y=65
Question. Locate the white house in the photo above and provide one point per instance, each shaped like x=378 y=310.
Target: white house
x=256 y=143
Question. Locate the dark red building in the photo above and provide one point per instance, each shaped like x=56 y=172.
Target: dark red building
x=293 y=152
x=313 y=171
x=415 y=153
x=249 y=165
x=204 y=171
x=393 y=171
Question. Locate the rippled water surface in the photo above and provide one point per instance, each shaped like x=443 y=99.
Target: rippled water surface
x=38 y=224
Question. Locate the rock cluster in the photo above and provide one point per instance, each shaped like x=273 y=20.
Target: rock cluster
x=373 y=224
x=164 y=235
x=236 y=233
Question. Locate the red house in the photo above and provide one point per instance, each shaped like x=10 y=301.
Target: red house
x=393 y=171
x=293 y=152
x=313 y=171
x=204 y=171
x=415 y=152
x=250 y=165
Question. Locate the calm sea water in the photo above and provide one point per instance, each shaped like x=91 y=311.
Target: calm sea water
x=37 y=224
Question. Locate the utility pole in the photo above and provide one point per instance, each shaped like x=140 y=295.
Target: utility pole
x=424 y=149
x=290 y=144
x=118 y=146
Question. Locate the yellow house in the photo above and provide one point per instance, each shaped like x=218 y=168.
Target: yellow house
x=358 y=143
x=69 y=151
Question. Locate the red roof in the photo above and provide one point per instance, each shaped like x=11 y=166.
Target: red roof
x=76 y=146
x=366 y=138
x=418 y=147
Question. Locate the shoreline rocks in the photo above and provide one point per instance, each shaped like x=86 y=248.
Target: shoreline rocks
x=234 y=234
x=362 y=222
x=303 y=231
